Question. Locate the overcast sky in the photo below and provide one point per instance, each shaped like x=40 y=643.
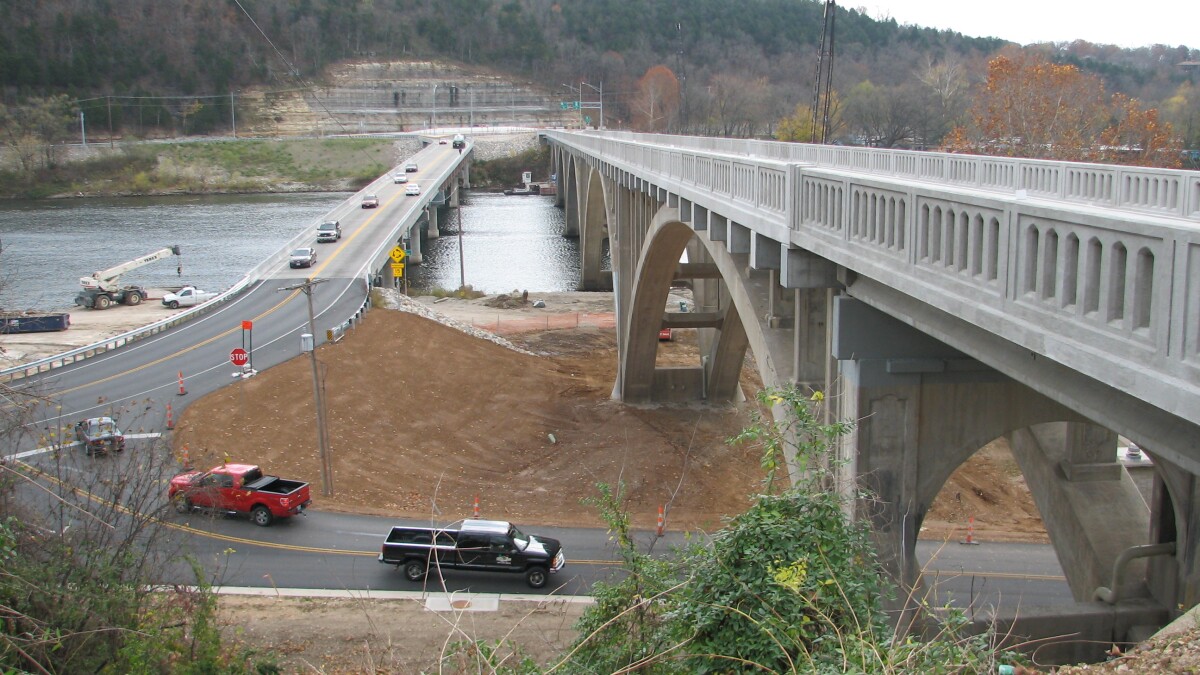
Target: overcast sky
x=1127 y=24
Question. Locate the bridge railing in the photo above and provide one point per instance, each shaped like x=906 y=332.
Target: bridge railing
x=1135 y=189
x=1105 y=275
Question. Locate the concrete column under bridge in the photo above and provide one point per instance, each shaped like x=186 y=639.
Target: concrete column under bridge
x=431 y=217
x=992 y=335
x=923 y=408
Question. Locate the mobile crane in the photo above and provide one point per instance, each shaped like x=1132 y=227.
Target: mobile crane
x=103 y=288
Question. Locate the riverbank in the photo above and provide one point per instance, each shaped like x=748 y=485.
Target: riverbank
x=196 y=166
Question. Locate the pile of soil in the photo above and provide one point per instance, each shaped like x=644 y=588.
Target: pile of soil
x=423 y=419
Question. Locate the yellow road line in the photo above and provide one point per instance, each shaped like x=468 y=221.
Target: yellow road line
x=231 y=331
x=91 y=496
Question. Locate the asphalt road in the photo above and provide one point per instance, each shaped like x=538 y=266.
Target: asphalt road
x=135 y=383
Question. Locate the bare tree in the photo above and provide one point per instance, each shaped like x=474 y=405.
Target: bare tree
x=35 y=131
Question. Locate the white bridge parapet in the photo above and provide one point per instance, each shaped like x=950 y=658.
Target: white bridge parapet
x=1094 y=267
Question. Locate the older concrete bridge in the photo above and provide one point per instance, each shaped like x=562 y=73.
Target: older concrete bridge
x=943 y=301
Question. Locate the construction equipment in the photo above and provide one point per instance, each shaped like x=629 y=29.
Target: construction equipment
x=104 y=289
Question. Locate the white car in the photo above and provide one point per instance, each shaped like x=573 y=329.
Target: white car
x=412 y=190
x=399 y=178
x=187 y=297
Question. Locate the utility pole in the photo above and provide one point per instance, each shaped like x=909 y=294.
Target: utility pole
x=233 y=113
x=108 y=99
x=433 y=107
x=824 y=79
x=322 y=433
x=462 y=264
x=82 y=130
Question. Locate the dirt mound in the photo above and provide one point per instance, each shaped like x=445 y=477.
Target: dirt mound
x=424 y=418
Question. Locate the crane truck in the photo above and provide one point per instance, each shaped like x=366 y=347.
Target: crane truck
x=103 y=288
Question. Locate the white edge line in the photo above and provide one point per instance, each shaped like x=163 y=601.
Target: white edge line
x=51 y=448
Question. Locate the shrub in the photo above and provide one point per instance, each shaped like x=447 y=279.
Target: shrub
x=790 y=586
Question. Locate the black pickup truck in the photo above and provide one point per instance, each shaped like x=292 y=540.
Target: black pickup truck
x=483 y=545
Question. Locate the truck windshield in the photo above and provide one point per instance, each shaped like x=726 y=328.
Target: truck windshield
x=518 y=537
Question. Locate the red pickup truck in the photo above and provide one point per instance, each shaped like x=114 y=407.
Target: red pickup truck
x=239 y=489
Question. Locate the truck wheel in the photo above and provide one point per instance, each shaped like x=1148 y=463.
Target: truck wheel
x=536 y=577
x=102 y=302
x=415 y=570
x=182 y=504
x=174 y=304
x=133 y=298
x=261 y=516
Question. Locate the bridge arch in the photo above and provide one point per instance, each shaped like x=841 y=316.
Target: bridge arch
x=1045 y=280
x=723 y=313
x=593 y=232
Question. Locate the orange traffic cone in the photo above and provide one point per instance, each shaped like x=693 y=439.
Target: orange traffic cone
x=970 y=540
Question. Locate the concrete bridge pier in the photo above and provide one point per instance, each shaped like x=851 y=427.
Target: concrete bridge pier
x=415 y=257
x=569 y=181
x=431 y=217
x=1175 y=518
x=921 y=409
x=464 y=174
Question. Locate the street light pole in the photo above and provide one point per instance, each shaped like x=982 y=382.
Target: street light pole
x=322 y=435
x=600 y=91
x=578 y=100
x=433 y=108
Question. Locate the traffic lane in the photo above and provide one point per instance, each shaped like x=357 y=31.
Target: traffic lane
x=150 y=369
x=1003 y=576
x=1019 y=558
x=347 y=257
x=154 y=347
x=245 y=564
x=994 y=592
x=326 y=531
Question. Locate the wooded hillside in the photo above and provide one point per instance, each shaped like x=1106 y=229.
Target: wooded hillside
x=737 y=69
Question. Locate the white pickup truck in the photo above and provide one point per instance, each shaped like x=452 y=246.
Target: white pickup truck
x=186 y=297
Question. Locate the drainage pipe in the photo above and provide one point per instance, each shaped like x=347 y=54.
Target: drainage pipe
x=1127 y=556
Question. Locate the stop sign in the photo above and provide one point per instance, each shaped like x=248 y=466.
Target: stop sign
x=239 y=356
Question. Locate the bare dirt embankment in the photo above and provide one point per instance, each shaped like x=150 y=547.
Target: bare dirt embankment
x=424 y=417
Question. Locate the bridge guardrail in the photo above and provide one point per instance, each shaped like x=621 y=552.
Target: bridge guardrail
x=1110 y=277
x=1170 y=192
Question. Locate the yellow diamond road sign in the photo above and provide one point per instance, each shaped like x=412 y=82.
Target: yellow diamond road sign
x=398 y=254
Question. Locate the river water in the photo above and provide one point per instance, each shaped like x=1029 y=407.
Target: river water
x=508 y=242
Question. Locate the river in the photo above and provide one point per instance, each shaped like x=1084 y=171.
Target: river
x=508 y=242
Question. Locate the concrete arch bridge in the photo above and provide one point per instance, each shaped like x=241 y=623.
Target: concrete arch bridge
x=943 y=301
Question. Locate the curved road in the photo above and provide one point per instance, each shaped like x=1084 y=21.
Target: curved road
x=135 y=383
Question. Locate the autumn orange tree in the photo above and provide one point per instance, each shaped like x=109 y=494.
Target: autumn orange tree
x=656 y=100
x=1030 y=107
